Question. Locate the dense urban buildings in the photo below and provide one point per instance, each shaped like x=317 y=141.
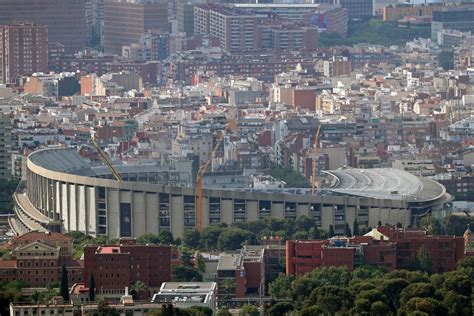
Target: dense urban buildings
x=126 y=21
x=227 y=128
x=23 y=50
x=65 y=19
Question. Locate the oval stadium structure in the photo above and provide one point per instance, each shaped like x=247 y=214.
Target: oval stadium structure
x=62 y=192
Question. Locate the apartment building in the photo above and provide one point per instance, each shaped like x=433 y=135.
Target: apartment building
x=23 y=50
x=118 y=266
x=461 y=20
x=126 y=21
x=65 y=19
x=5 y=146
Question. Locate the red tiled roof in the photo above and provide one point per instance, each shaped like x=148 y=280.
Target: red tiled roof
x=8 y=263
x=49 y=236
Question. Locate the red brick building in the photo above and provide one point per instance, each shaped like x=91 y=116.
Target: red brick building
x=38 y=258
x=385 y=246
x=118 y=266
x=23 y=50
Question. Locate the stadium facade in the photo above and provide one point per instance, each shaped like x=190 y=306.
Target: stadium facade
x=63 y=193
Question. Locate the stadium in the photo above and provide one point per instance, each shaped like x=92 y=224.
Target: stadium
x=62 y=192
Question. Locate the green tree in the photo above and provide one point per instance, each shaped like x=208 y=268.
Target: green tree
x=332 y=299
x=192 y=239
x=249 y=310
x=198 y=311
x=233 y=238
x=223 y=312
x=280 y=308
x=91 y=287
x=281 y=288
x=347 y=230
x=186 y=274
x=166 y=237
x=331 y=231
x=210 y=236
x=392 y=289
x=103 y=309
x=416 y=290
x=64 y=284
x=148 y=238
x=137 y=288
x=432 y=225
x=355 y=228
x=316 y=233
x=424 y=260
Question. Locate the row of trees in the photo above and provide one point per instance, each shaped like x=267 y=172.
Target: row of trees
x=371 y=290
x=375 y=32
x=224 y=237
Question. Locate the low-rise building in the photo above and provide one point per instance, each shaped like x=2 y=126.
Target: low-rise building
x=187 y=294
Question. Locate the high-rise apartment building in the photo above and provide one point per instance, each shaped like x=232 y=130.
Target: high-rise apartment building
x=65 y=19
x=185 y=15
x=23 y=50
x=234 y=28
x=357 y=9
x=5 y=146
x=126 y=20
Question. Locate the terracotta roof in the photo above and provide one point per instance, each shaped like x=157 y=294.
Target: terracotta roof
x=74 y=263
x=9 y=263
x=35 y=235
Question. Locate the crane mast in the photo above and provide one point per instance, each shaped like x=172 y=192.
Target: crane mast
x=200 y=174
x=105 y=159
x=315 y=159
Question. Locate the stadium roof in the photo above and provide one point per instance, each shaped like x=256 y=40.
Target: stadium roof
x=377 y=183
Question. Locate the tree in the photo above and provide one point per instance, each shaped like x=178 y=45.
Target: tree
x=331 y=231
x=103 y=309
x=186 y=273
x=432 y=225
x=280 y=308
x=223 y=312
x=233 y=238
x=137 y=288
x=416 y=290
x=91 y=288
x=347 y=230
x=210 y=236
x=249 y=310
x=332 y=299
x=424 y=260
x=198 y=311
x=355 y=228
x=281 y=287
x=166 y=237
x=149 y=239
x=316 y=233
x=64 y=284
x=192 y=239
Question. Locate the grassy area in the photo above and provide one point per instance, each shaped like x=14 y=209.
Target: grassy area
x=375 y=32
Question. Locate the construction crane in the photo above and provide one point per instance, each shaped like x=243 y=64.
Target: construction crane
x=201 y=171
x=315 y=160
x=105 y=158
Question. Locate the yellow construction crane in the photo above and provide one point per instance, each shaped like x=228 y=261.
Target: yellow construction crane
x=202 y=170
x=315 y=160
x=105 y=158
